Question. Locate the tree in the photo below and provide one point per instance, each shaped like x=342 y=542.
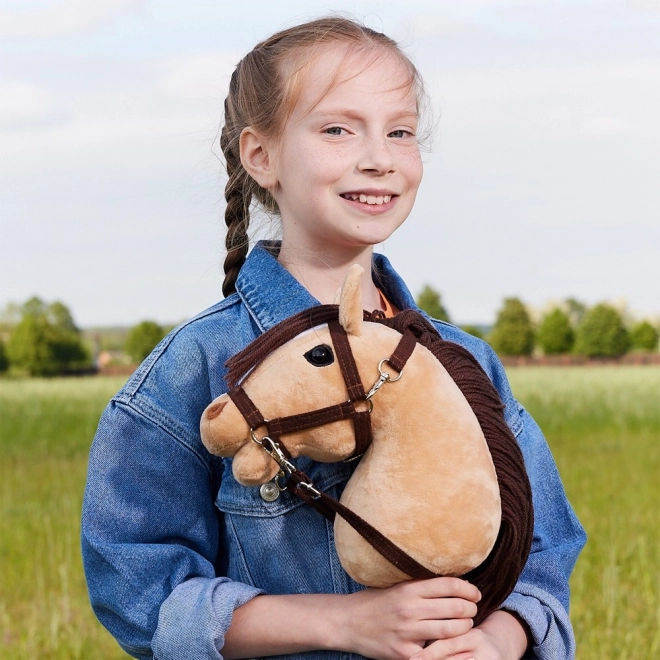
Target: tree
x=555 y=334
x=141 y=340
x=46 y=341
x=513 y=332
x=644 y=336
x=602 y=333
x=4 y=360
x=429 y=300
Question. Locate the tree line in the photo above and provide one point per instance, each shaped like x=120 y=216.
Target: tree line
x=42 y=339
x=570 y=327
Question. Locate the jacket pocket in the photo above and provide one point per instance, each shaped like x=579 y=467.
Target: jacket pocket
x=284 y=546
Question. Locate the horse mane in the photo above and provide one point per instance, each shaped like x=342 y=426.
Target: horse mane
x=497 y=575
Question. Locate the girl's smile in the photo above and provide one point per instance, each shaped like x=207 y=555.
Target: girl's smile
x=347 y=167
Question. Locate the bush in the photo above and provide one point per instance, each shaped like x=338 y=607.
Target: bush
x=142 y=339
x=429 y=300
x=555 y=334
x=513 y=332
x=46 y=341
x=644 y=336
x=602 y=333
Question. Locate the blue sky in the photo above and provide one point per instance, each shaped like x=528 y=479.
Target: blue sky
x=543 y=180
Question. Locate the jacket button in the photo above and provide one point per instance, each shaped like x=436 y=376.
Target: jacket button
x=269 y=492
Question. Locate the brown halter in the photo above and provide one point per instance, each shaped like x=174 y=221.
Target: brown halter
x=353 y=408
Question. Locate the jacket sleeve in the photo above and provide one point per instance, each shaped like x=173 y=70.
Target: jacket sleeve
x=150 y=541
x=541 y=596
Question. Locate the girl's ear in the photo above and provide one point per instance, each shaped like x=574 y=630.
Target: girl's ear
x=350 y=301
x=258 y=158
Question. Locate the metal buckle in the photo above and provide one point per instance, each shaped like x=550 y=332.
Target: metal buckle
x=310 y=487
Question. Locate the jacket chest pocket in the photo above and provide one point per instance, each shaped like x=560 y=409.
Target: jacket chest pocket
x=283 y=546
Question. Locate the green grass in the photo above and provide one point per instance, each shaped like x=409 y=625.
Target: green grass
x=46 y=427
x=603 y=424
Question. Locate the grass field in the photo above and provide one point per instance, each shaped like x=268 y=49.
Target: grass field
x=603 y=424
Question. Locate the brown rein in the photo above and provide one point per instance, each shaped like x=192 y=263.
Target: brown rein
x=353 y=409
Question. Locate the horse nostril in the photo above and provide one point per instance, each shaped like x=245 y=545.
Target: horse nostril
x=214 y=410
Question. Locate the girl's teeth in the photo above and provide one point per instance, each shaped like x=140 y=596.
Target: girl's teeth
x=369 y=199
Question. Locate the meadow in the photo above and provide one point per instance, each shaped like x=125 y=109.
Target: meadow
x=603 y=424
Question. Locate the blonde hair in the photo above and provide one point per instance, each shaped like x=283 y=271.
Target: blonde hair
x=263 y=92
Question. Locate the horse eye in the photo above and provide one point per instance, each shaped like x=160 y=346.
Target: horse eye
x=320 y=356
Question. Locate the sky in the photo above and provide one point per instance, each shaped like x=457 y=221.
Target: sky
x=542 y=180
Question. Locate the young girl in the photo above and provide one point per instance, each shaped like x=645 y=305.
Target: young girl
x=182 y=562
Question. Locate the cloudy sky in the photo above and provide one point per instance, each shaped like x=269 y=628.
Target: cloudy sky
x=543 y=181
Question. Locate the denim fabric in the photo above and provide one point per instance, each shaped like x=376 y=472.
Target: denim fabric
x=172 y=544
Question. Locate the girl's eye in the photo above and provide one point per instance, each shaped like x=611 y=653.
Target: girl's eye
x=320 y=356
x=334 y=130
x=401 y=133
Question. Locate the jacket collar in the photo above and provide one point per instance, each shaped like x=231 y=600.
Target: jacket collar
x=271 y=294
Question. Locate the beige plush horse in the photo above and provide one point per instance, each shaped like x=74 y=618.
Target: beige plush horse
x=427 y=481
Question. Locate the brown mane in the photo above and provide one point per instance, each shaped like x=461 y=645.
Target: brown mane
x=497 y=575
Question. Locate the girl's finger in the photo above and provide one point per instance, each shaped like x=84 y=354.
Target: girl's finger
x=447 y=608
x=435 y=630
x=448 y=587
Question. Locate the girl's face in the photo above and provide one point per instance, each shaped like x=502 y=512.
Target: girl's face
x=347 y=166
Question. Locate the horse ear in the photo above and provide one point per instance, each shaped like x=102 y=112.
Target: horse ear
x=350 y=301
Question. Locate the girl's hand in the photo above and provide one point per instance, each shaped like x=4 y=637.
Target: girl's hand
x=397 y=622
x=500 y=637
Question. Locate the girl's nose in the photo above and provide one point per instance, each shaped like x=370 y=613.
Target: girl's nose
x=377 y=157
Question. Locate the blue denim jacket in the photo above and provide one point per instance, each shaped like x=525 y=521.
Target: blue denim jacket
x=172 y=544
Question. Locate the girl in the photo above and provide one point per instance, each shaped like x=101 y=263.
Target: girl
x=183 y=562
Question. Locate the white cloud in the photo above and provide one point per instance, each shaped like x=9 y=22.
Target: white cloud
x=198 y=76
x=59 y=18
x=24 y=105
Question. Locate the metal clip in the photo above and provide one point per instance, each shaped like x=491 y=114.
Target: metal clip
x=382 y=379
x=276 y=453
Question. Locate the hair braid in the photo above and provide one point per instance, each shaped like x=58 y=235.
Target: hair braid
x=237 y=196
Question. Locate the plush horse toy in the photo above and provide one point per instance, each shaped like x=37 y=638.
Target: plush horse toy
x=441 y=486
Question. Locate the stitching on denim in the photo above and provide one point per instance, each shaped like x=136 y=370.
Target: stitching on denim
x=157 y=422
x=239 y=545
x=251 y=312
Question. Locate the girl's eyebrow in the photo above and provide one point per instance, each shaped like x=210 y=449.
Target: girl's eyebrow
x=353 y=114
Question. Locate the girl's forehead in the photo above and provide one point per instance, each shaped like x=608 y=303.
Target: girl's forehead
x=337 y=73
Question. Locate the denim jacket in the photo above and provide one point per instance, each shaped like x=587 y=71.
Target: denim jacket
x=172 y=544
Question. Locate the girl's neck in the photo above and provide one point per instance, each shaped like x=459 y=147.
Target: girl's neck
x=323 y=274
